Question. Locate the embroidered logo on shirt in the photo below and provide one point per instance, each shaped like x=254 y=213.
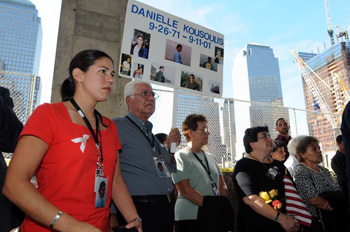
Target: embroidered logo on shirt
x=81 y=140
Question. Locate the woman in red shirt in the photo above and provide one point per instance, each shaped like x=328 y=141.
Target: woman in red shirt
x=72 y=149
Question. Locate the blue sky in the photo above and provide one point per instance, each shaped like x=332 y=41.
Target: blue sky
x=299 y=25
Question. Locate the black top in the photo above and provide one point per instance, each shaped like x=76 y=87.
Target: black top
x=345 y=129
x=10 y=128
x=339 y=167
x=249 y=177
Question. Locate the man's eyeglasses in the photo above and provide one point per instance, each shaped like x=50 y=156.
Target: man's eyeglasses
x=205 y=129
x=145 y=94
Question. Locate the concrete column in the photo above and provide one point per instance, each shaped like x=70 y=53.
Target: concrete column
x=91 y=24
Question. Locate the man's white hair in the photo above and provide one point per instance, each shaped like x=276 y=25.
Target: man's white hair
x=129 y=89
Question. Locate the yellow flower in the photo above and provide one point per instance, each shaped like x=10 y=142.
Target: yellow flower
x=265 y=196
x=273 y=193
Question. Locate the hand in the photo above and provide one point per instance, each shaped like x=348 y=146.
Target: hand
x=67 y=223
x=289 y=223
x=327 y=206
x=174 y=136
x=136 y=224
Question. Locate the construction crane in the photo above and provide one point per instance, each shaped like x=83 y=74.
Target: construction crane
x=328 y=14
x=342 y=34
x=306 y=72
x=343 y=92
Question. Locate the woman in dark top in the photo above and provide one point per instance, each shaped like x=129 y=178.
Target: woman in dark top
x=256 y=173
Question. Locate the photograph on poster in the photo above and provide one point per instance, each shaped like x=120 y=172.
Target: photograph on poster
x=125 y=64
x=100 y=200
x=219 y=55
x=177 y=52
x=214 y=87
x=207 y=62
x=162 y=73
x=140 y=44
x=191 y=80
x=138 y=70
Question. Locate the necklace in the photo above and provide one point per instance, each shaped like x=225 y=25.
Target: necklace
x=271 y=172
x=260 y=161
x=75 y=110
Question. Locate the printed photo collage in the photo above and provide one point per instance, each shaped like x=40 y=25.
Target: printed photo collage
x=134 y=64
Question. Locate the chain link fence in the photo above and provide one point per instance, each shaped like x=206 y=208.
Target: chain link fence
x=22 y=89
x=228 y=118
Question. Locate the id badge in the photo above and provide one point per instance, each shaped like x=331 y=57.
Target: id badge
x=100 y=188
x=271 y=173
x=162 y=170
x=101 y=191
x=215 y=188
x=98 y=175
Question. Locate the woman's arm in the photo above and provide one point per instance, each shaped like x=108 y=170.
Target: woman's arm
x=189 y=193
x=307 y=190
x=123 y=200
x=26 y=159
x=319 y=202
x=258 y=205
x=223 y=187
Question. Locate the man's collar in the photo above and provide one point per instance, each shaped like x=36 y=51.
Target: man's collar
x=279 y=136
x=139 y=122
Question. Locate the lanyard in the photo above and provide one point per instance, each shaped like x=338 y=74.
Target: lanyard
x=206 y=161
x=95 y=136
x=152 y=143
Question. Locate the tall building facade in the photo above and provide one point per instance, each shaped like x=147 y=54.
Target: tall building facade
x=333 y=68
x=229 y=131
x=256 y=79
x=20 y=51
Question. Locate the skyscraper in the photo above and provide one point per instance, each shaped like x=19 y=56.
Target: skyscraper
x=332 y=66
x=229 y=129
x=256 y=79
x=20 y=50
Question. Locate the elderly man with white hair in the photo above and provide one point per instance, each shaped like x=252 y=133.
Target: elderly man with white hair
x=140 y=156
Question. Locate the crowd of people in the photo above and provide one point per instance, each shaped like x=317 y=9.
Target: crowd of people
x=97 y=174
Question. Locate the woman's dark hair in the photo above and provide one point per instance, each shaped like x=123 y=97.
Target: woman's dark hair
x=277 y=144
x=102 y=184
x=191 y=123
x=251 y=135
x=302 y=146
x=83 y=60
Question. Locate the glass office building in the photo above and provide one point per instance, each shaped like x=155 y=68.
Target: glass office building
x=256 y=78
x=20 y=50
